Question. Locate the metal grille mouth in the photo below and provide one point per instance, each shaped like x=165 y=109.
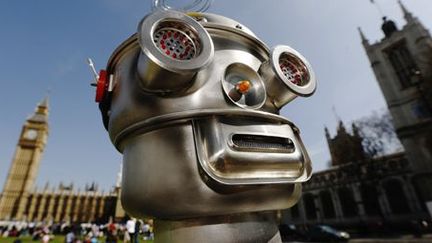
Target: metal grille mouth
x=176 y=40
x=258 y=143
x=293 y=69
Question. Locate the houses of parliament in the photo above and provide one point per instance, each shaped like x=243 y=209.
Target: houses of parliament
x=21 y=200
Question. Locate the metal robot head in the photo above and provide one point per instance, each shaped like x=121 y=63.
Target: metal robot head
x=192 y=101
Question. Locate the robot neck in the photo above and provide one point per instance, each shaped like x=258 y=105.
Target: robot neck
x=250 y=227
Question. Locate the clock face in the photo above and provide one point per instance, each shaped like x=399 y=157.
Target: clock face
x=30 y=134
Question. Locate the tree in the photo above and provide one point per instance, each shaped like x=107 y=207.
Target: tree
x=378 y=133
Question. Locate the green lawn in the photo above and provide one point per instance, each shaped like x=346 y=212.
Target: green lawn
x=57 y=239
x=27 y=239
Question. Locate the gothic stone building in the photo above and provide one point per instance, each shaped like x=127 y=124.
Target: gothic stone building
x=362 y=193
x=20 y=200
x=393 y=190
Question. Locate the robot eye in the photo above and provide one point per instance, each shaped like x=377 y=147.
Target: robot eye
x=287 y=75
x=174 y=47
x=243 y=86
x=179 y=43
x=293 y=69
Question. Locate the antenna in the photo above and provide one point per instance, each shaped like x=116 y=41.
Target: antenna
x=93 y=69
x=378 y=7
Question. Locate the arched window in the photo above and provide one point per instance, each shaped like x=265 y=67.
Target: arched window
x=63 y=208
x=88 y=214
x=428 y=143
x=295 y=211
x=81 y=209
x=56 y=205
x=73 y=207
x=27 y=208
x=396 y=196
x=419 y=181
x=37 y=206
x=347 y=201
x=327 y=203
x=310 y=208
x=46 y=207
x=403 y=64
x=369 y=196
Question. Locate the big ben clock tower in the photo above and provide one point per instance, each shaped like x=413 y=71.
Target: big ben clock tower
x=25 y=164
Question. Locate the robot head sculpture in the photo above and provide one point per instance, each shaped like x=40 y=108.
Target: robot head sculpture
x=192 y=101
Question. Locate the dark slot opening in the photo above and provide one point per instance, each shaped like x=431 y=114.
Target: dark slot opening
x=258 y=143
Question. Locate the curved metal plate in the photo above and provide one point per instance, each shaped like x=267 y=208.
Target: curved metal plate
x=226 y=164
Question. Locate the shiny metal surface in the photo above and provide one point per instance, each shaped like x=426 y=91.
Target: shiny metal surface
x=228 y=165
x=195 y=5
x=131 y=106
x=287 y=74
x=173 y=48
x=161 y=167
x=186 y=138
x=253 y=95
x=209 y=20
x=251 y=227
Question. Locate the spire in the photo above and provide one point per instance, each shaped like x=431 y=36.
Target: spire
x=365 y=41
x=341 y=128
x=45 y=102
x=327 y=133
x=47 y=185
x=336 y=114
x=41 y=112
x=355 y=130
x=407 y=14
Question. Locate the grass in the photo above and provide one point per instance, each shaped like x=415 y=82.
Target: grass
x=28 y=239
x=57 y=239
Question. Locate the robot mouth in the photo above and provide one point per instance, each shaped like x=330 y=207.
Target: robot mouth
x=259 y=143
x=246 y=151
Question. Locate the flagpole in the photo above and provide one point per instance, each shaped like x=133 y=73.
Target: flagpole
x=378 y=7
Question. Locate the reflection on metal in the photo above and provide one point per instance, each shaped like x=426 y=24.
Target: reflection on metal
x=287 y=75
x=93 y=69
x=194 y=109
x=243 y=86
x=193 y=6
x=174 y=47
x=214 y=144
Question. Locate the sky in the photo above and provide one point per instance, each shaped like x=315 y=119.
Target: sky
x=45 y=44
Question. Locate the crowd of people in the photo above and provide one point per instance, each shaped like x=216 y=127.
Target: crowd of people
x=132 y=231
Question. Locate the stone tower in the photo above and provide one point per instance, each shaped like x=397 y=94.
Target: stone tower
x=345 y=147
x=402 y=63
x=25 y=164
x=119 y=211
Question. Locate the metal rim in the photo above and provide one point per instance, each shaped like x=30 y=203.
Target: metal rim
x=285 y=55
x=153 y=122
x=176 y=43
x=196 y=6
x=165 y=19
x=256 y=96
